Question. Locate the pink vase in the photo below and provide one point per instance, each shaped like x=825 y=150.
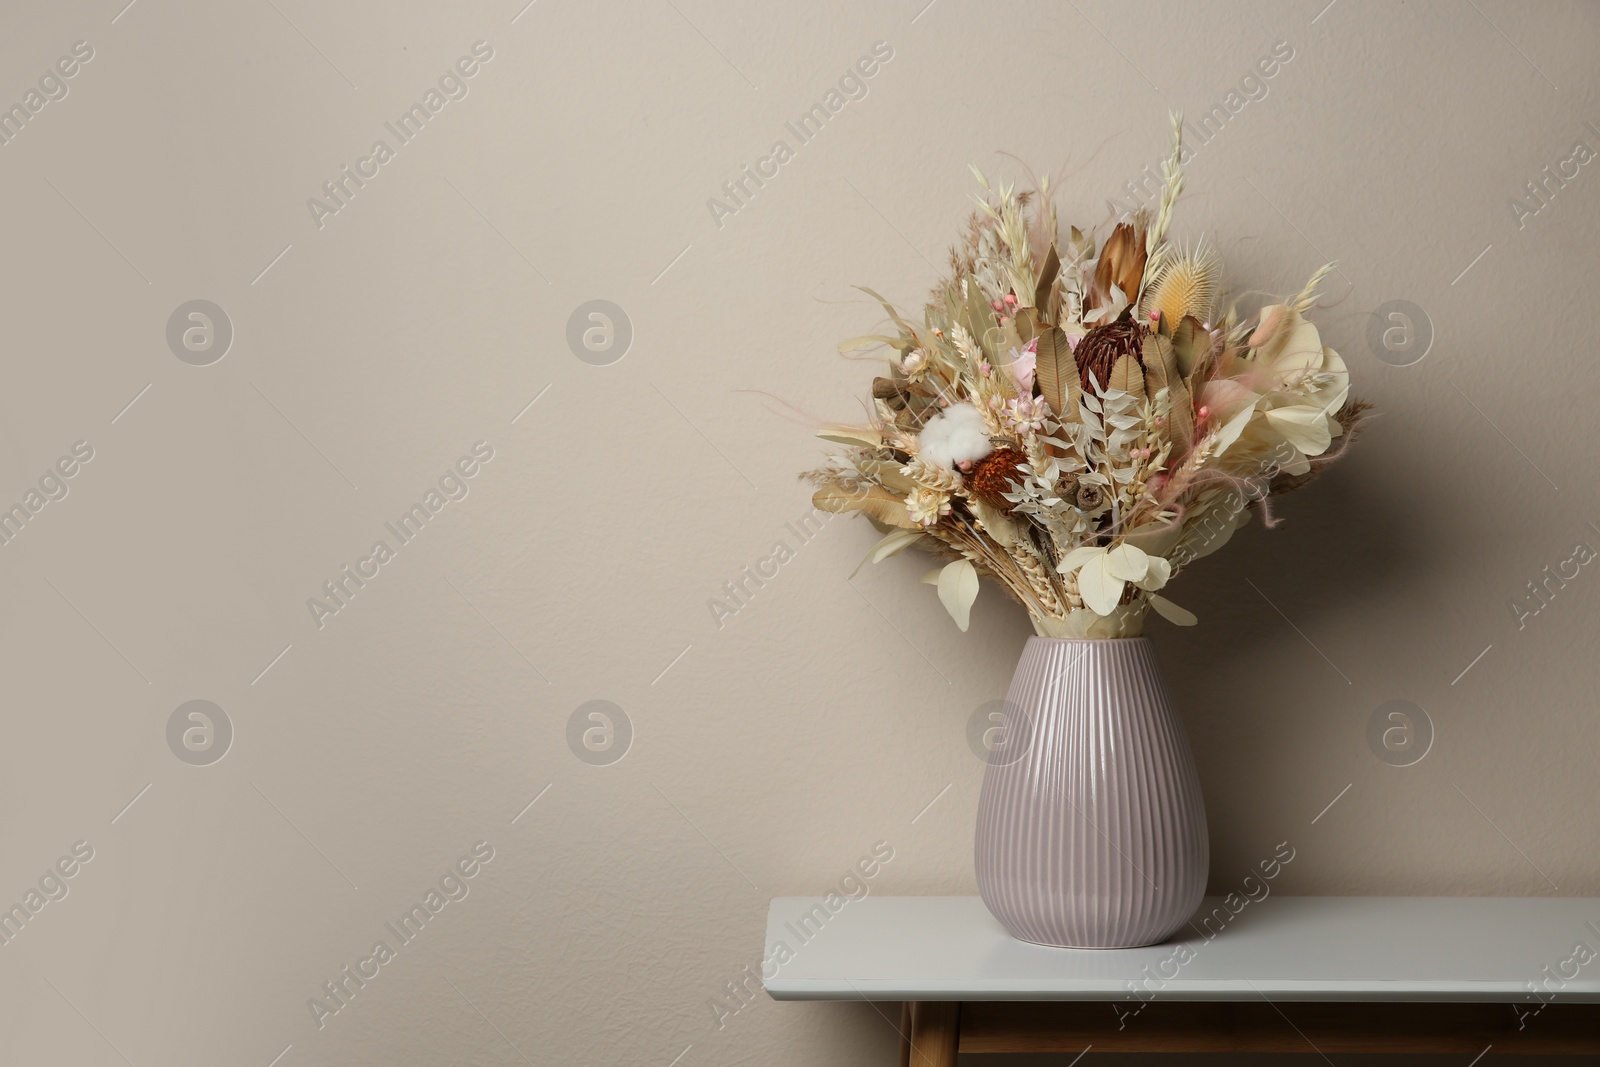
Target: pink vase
x=1091 y=826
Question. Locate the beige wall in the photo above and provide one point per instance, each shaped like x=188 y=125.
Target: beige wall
x=771 y=752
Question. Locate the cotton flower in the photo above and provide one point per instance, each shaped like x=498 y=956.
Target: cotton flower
x=927 y=506
x=955 y=435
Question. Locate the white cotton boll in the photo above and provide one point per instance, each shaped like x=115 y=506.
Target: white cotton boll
x=957 y=434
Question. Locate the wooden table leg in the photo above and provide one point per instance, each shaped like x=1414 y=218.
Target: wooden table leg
x=905 y=1033
x=935 y=1033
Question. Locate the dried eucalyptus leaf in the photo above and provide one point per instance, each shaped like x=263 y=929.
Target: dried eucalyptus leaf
x=958 y=588
x=1170 y=611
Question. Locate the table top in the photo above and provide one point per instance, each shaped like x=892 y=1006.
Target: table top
x=1508 y=949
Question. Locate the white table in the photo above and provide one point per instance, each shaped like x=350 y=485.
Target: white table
x=1348 y=974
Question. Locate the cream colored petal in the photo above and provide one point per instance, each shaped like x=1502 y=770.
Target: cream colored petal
x=1224 y=397
x=1297 y=352
x=1156 y=575
x=958 y=588
x=1303 y=426
x=1100 y=589
x=1156 y=538
x=1233 y=428
x=1078 y=557
x=1172 y=612
x=1127 y=562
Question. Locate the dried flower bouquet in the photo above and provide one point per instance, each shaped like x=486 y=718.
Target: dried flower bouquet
x=1080 y=426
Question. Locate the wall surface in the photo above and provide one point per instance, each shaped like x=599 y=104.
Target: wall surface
x=359 y=352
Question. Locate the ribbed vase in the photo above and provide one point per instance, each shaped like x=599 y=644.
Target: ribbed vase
x=1091 y=826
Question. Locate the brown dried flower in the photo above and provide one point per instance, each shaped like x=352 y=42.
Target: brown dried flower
x=994 y=475
x=1122 y=261
x=1103 y=345
x=1090 y=496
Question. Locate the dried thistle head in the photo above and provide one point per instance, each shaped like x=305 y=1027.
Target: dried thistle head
x=1186 y=285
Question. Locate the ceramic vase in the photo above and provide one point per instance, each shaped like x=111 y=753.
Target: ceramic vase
x=1091 y=826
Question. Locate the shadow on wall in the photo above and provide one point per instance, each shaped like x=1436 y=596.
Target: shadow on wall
x=1344 y=547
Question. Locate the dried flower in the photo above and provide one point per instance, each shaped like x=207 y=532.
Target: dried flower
x=995 y=475
x=1102 y=346
x=927 y=506
x=1023 y=364
x=1186 y=285
x=1062 y=496
x=1121 y=264
x=928 y=476
x=1027 y=414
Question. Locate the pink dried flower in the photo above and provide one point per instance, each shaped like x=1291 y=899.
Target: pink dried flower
x=1024 y=363
x=1027 y=414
